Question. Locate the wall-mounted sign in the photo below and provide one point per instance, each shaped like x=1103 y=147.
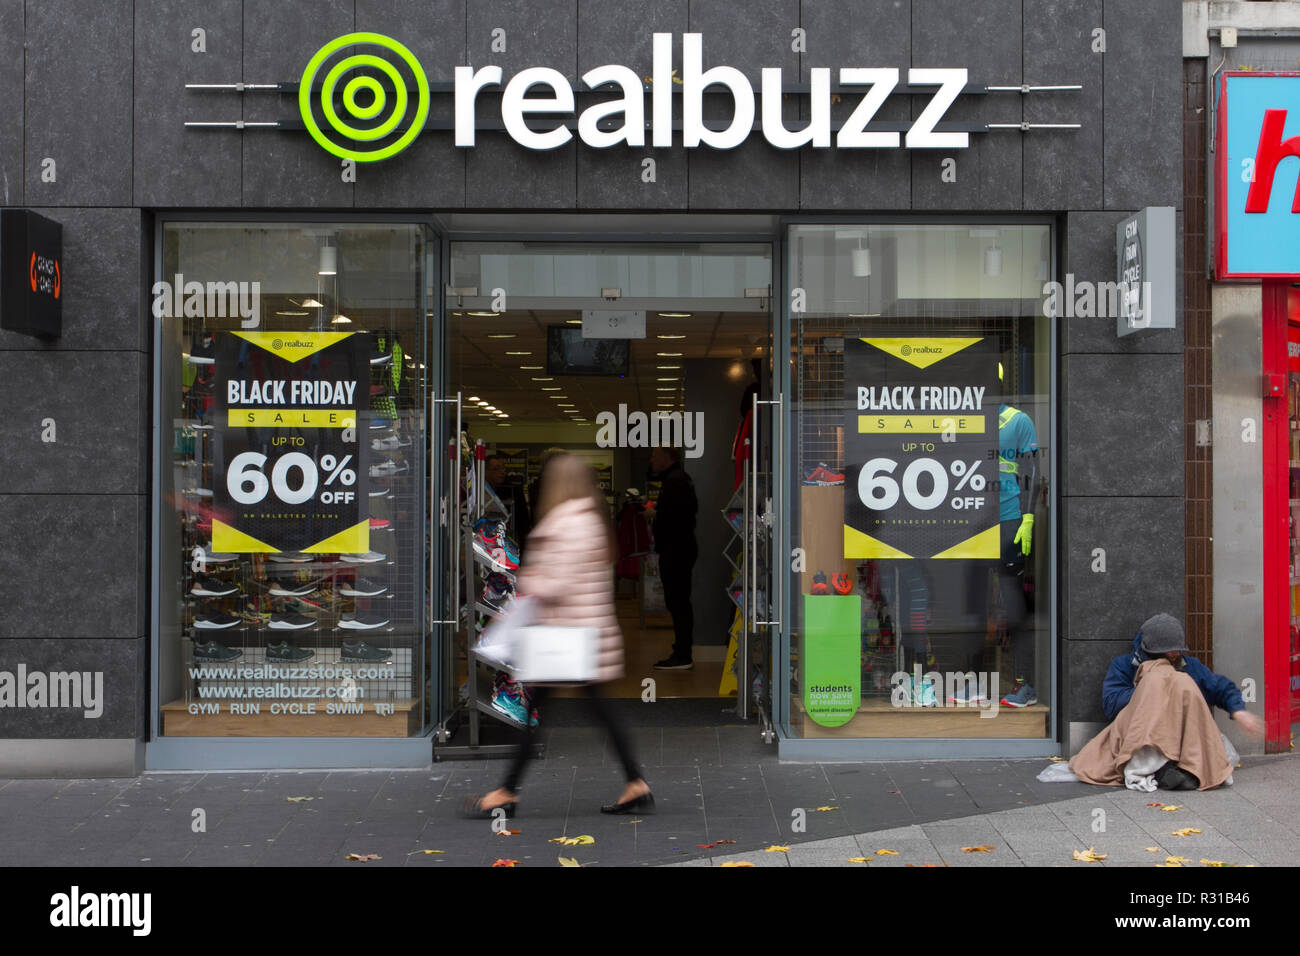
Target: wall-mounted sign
x=1144 y=264
x=384 y=103
x=921 y=448
x=31 y=273
x=1257 y=194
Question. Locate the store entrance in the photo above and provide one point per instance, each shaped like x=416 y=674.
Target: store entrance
x=607 y=353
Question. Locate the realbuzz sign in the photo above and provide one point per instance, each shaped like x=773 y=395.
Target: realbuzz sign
x=538 y=108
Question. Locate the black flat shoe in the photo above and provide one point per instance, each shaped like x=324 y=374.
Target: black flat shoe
x=642 y=804
x=472 y=808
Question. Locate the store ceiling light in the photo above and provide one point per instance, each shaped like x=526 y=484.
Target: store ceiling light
x=484 y=314
x=340 y=319
x=665 y=388
x=573 y=321
x=675 y=315
x=669 y=354
x=472 y=398
x=502 y=335
x=550 y=388
x=293 y=313
x=666 y=368
x=668 y=378
x=531 y=368
x=519 y=353
x=993 y=261
x=329 y=261
x=310 y=303
x=542 y=378
x=670 y=336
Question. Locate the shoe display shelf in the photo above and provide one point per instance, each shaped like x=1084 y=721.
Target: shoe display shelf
x=746 y=551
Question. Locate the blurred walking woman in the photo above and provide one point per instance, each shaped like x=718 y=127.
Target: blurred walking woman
x=568 y=570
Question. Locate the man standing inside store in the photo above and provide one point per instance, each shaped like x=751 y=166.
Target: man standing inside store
x=674 y=534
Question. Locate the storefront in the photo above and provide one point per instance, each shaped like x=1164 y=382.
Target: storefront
x=882 y=250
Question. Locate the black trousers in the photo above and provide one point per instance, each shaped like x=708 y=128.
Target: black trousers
x=600 y=708
x=675 y=572
x=1011 y=574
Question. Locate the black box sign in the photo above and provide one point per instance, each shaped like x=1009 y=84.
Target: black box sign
x=31 y=273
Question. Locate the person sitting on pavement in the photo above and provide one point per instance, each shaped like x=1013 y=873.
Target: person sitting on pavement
x=1162 y=734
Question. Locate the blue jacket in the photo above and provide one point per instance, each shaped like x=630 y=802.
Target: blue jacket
x=1118 y=685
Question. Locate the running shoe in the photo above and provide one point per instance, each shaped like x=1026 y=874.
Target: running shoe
x=378 y=424
x=491 y=530
x=370 y=557
x=291 y=557
x=213 y=653
x=968 y=696
x=205 y=586
x=217 y=557
x=388 y=468
x=842 y=583
x=391 y=443
x=819 y=584
x=504 y=702
x=381 y=358
x=497 y=591
x=294 y=589
x=363 y=587
x=215 y=622
x=378 y=524
x=286 y=653
x=359 y=652
x=821 y=475
x=380 y=492
x=1022 y=696
x=363 y=621
x=291 y=622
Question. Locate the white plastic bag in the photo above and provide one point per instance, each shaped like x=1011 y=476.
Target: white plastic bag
x=499 y=643
x=1057 y=773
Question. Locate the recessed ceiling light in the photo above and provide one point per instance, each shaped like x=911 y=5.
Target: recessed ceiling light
x=568 y=405
x=519 y=353
x=669 y=354
x=531 y=368
x=503 y=415
x=573 y=321
x=542 y=378
x=557 y=396
x=864 y=315
x=311 y=304
x=503 y=424
x=667 y=367
x=665 y=388
x=502 y=335
x=550 y=388
x=472 y=398
x=670 y=336
x=676 y=315
x=454 y=313
x=492 y=314
x=293 y=313
x=340 y=319
x=481 y=402
x=668 y=378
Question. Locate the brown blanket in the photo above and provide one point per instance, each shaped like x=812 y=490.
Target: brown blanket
x=1166 y=711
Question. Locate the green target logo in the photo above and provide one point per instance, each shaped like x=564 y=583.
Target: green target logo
x=369 y=119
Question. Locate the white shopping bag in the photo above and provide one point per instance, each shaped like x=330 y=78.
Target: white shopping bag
x=556 y=655
x=499 y=643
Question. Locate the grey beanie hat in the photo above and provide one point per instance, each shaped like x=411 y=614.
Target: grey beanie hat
x=1162 y=634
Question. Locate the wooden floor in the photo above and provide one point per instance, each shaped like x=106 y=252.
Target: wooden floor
x=643 y=646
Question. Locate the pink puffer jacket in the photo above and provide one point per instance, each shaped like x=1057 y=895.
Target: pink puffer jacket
x=565 y=567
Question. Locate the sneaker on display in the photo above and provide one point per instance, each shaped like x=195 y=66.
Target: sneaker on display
x=362 y=587
x=391 y=443
x=215 y=622
x=509 y=705
x=497 y=591
x=205 y=586
x=294 y=589
x=213 y=653
x=842 y=583
x=378 y=424
x=286 y=653
x=359 y=652
x=379 y=524
x=291 y=557
x=821 y=475
x=1022 y=696
x=291 y=622
x=819 y=584
x=675 y=663
x=490 y=531
x=386 y=469
x=363 y=621
x=217 y=557
x=380 y=492
x=381 y=358
x=370 y=557
x=968 y=696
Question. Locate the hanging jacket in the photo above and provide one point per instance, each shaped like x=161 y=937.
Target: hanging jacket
x=1117 y=688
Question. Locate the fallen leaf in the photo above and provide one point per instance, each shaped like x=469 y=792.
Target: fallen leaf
x=298 y=799
x=1155 y=804
x=1153 y=849
x=626 y=823
x=413 y=852
x=918 y=865
x=1177 y=860
x=1056 y=759
x=977 y=849
x=1089 y=855
x=1170 y=809
x=583 y=840
x=886 y=853
x=706 y=846
x=738 y=863
x=506 y=863
x=721 y=842
x=861 y=859
x=1169 y=864
x=568 y=861
x=363 y=857
x=509 y=832
x=826 y=809
x=1186 y=831
x=777 y=849
x=1216 y=863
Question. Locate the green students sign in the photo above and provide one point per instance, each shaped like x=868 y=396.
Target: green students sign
x=832 y=663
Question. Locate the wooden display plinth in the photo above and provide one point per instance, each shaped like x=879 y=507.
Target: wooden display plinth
x=878 y=718
x=403 y=721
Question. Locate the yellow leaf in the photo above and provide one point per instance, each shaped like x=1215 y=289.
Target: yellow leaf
x=1153 y=849
x=626 y=823
x=1186 y=831
x=298 y=799
x=1177 y=860
x=558 y=840
x=1056 y=759
x=1089 y=855
x=977 y=849
x=826 y=809
x=777 y=849
x=1170 y=808
x=1215 y=862
x=363 y=857
x=861 y=859
x=738 y=863
x=886 y=853
x=583 y=840
x=568 y=861
x=426 y=852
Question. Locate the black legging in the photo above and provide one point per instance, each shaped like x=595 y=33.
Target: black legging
x=539 y=693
